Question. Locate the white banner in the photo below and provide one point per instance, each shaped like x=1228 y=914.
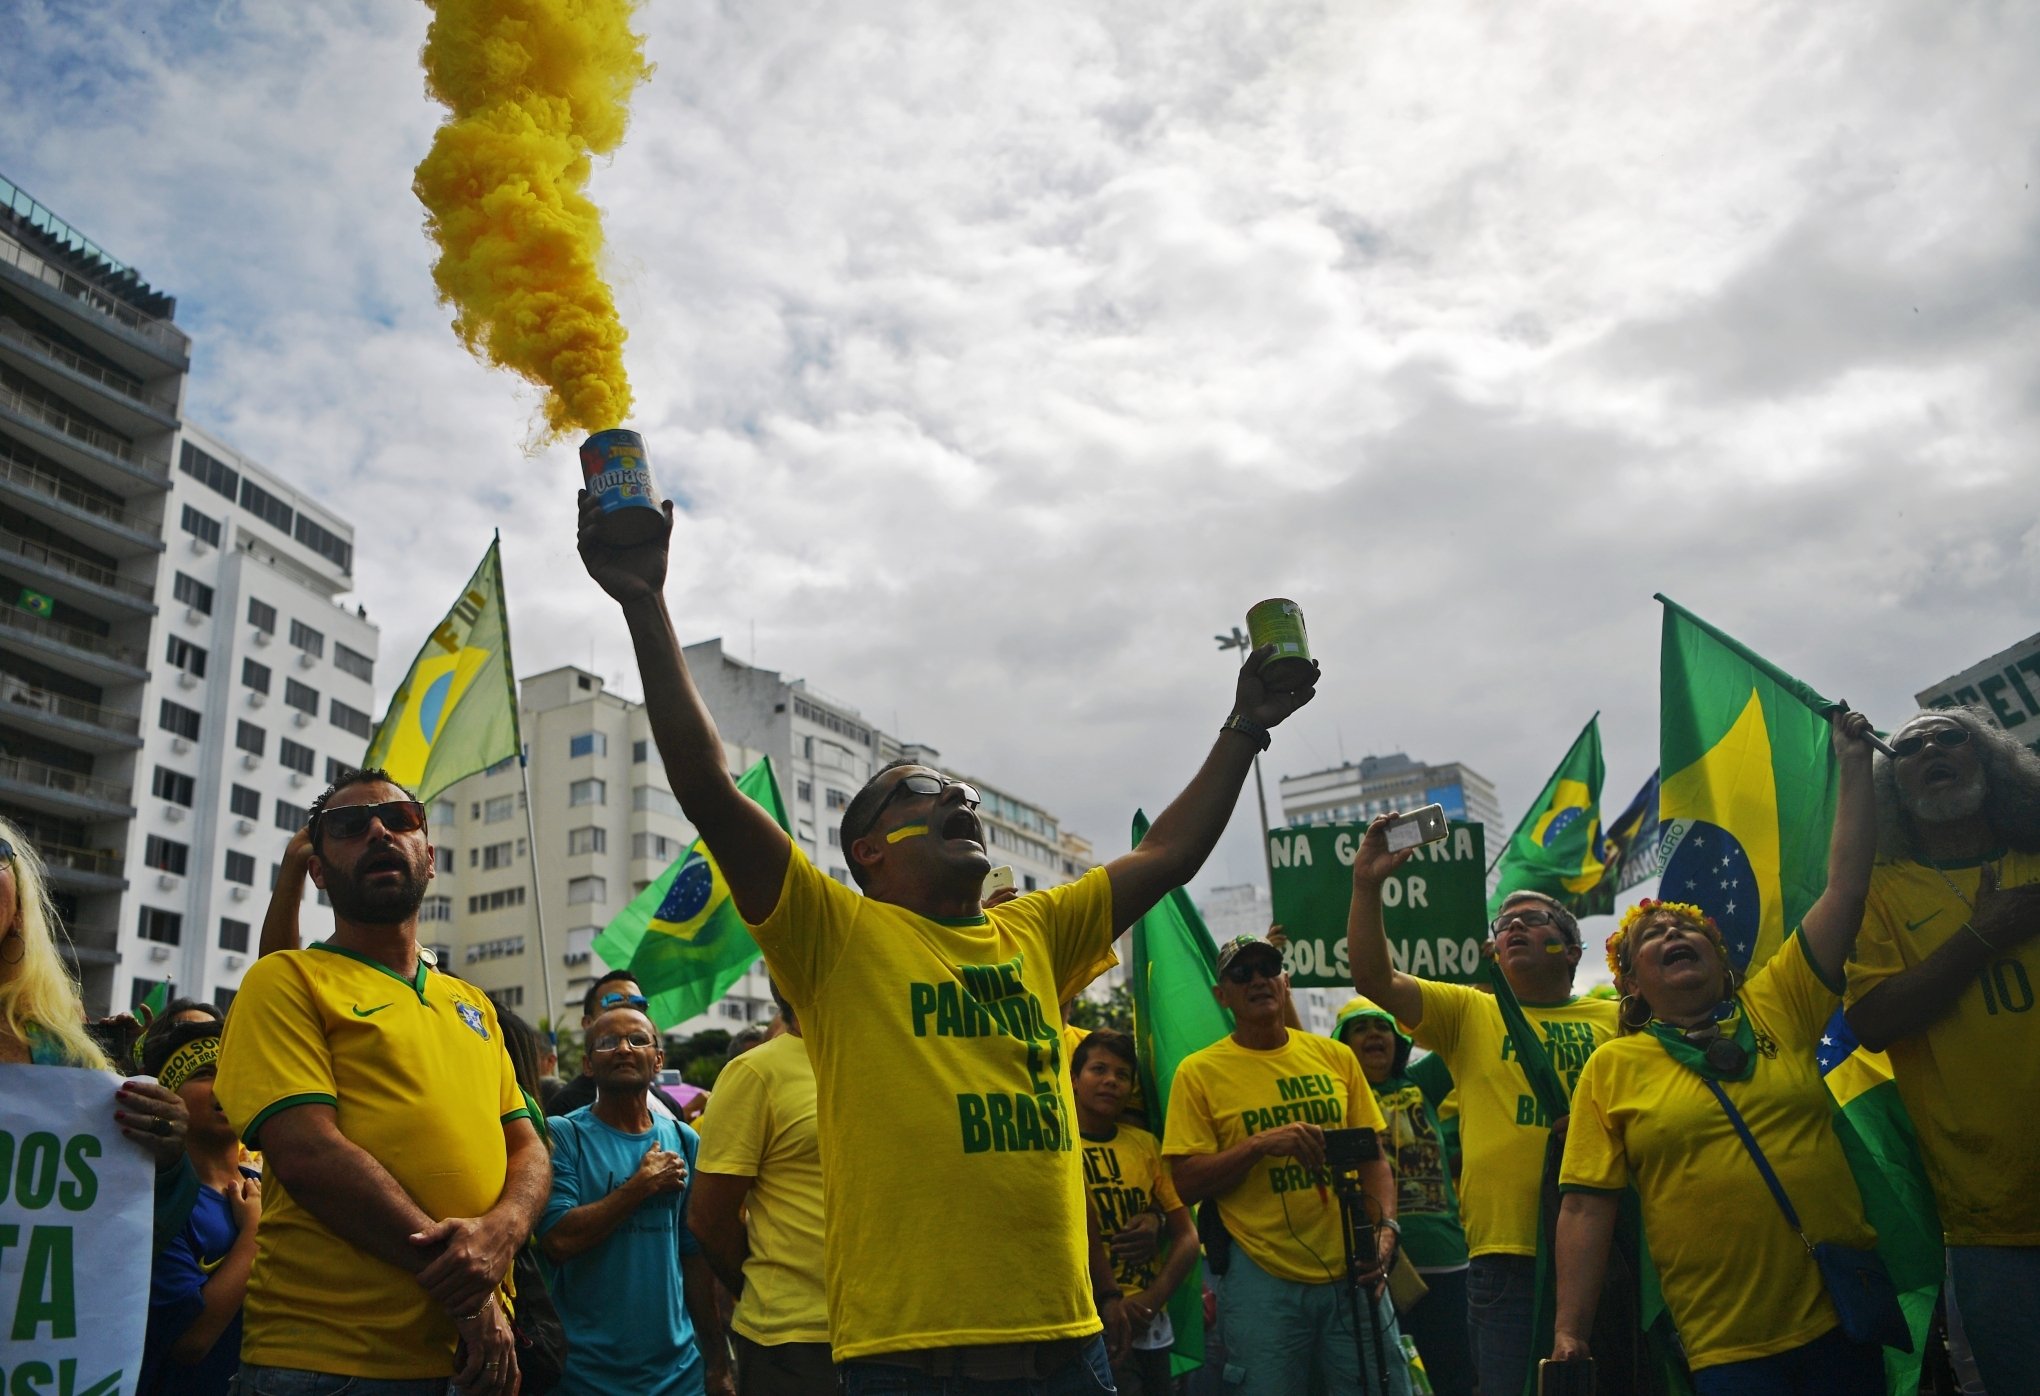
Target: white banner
x=2007 y=686
x=77 y=1214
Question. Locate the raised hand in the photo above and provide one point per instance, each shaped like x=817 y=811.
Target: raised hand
x=1372 y=862
x=1264 y=706
x=629 y=572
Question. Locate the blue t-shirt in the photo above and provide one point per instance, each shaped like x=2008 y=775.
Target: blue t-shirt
x=622 y=1303
x=176 y=1297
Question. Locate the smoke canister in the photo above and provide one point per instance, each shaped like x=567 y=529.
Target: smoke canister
x=1279 y=622
x=616 y=471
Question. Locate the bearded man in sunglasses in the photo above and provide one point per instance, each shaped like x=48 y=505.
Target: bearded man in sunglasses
x=955 y=1232
x=1502 y=1129
x=1943 y=979
x=385 y=1241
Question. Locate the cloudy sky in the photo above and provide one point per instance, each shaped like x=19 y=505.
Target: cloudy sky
x=1001 y=355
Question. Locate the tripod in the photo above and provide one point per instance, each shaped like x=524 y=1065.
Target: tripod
x=1359 y=1235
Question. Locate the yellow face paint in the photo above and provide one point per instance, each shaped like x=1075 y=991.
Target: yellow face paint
x=906 y=831
x=1553 y=947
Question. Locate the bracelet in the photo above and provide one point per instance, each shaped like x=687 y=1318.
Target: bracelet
x=480 y=1309
x=1251 y=731
x=1392 y=1224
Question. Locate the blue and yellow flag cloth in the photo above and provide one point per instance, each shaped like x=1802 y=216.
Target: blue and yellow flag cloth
x=681 y=938
x=455 y=713
x=1630 y=851
x=1557 y=848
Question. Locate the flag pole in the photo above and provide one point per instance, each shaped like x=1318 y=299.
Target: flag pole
x=530 y=821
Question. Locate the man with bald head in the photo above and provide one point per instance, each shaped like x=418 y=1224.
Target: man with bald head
x=1943 y=980
x=634 y=1292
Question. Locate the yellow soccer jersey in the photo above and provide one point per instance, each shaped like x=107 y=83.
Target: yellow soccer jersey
x=418 y=1078
x=1971 y=1082
x=1227 y=1093
x=1126 y=1176
x=761 y=1124
x=1502 y=1131
x=1736 y=1278
x=953 y=1195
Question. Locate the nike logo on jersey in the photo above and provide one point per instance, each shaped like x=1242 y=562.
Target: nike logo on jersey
x=208 y=1266
x=1915 y=925
x=361 y=1012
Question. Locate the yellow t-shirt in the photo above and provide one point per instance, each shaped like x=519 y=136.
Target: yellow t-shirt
x=1737 y=1280
x=1126 y=1176
x=1226 y=1093
x=953 y=1197
x=416 y=1072
x=760 y=1124
x=1502 y=1130
x=1971 y=1082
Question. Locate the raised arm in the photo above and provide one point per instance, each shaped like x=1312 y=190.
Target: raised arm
x=750 y=848
x=280 y=922
x=1831 y=923
x=1184 y=834
x=1374 y=972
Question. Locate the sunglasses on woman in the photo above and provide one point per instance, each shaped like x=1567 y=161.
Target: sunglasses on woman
x=352 y=821
x=1939 y=736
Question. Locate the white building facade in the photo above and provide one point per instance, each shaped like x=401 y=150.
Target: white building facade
x=1355 y=792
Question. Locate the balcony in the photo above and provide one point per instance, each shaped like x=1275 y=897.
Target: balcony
x=74 y=579
x=83 y=869
x=129 y=334
x=69 y=439
x=75 y=723
x=102 y=523
x=125 y=401
x=79 y=653
x=49 y=790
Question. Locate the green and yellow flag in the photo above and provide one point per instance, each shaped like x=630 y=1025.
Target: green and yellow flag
x=681 y=938
x=1557 y=848
x=455 y=713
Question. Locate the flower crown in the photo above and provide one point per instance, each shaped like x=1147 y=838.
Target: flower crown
x=1685 y=911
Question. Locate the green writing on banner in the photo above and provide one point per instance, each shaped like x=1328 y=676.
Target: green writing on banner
x=1434 y=907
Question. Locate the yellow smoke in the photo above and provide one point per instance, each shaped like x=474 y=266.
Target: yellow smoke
x=536 y=88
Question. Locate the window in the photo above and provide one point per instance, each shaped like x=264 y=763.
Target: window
x=496 y=855
x=203 y=527
x=234 y=936
x=445 y=859
x=191 y=592
x=178 y=720
x=495 y=901
x=348 y=719
x=336 y=768
x=245 y=803
x=241 y=868
x=640 y=752
x=171 y=786
x=215 y=475
x=163 y=927
x=835 y=836
x=1032 y=885
x=326 y=543
x=581 y=890
x=290 y=818
x=587 y=744
x=307 y=639
x=657 y=801
x=265 y=506
x=166 y=854
x=656 y=846
x=512 y=997
x=184 y=655
x=592 y=839
x=498 y=808
x=500 y=948
x=588 y=792
x=256 y=676
x=805 y=790
x=223 y=997
x=262 y=616
x=353 y=662
x=250 y=738
x=841 y=875
x=296 y=757
x=838 y=799
x=301 y=696
x=436 y=908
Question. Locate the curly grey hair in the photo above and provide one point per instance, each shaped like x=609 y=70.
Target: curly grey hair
x=2011 y=773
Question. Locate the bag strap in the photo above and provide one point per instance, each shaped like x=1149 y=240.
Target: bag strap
x=1763 y=1164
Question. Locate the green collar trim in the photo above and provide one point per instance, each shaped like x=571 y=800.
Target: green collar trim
x=960 y=922
x=1736 y=1028
x=1566 y=1002
x=416 y=984
x=1957 y=864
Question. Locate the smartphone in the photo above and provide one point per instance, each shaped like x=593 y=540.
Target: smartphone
x=999 y=879
x=1565 y=1378
x=1426 y=825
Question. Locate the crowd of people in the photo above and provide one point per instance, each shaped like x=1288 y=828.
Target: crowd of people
x=926 y=1180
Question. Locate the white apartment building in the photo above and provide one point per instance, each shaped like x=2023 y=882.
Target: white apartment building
x=262 y=689
x=1355 y=792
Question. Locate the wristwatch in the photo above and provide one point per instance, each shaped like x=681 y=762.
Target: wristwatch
x=1252 y=731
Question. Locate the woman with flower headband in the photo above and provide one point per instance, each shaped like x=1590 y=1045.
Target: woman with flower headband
x=1703 y=1055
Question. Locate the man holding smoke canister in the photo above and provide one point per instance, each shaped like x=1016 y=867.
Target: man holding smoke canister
x=1249 y=1119
x=959 y=1264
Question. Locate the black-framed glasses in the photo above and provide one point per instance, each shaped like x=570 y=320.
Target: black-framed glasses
x=1939 y=736
x=610 y=1042
x=1248 y=972
x=352 y=821
x=637 y=1001
x=924 y=785
x=1532 y=917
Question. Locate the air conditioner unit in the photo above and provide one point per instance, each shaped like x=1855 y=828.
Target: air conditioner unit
x=194 y=615
x=256 y=700
x=306 y=659
x=244 y=826
x=263 y=637
x=173 y=814
x=180 y=745
x=185 y=679
x=159 y=952
x=249 y=760
x=166 y=881
x=239 y=893
x=301 y=719
x=297 y=778
x=236 y=961
x=200 y=546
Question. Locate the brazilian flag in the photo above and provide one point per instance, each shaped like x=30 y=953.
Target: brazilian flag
x=1557 y=848
x=455 y=713
x=1747 y=805
x=1629 y=852
x=681 y=938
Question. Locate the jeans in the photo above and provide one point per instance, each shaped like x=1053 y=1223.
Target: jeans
x=1089 y=1375
x=1830 y=1365
x=1998 y=1289
x=1437 y=1325
x=783 y=1369
x=1144 y=1372
x=1500 y=1290
x=1284 y=1338
x=290 y=1381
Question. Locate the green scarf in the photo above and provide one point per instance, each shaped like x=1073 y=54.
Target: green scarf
x=1735 y=1028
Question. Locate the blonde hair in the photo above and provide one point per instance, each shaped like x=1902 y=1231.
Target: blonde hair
x=39 y=990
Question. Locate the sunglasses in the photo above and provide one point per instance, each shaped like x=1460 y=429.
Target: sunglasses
x=1248 y=973
x=352 y=821
x=1939 y=736
x=637 y=1001
x=923 y=785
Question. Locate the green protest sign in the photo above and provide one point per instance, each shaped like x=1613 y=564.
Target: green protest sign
x=1435 y=905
